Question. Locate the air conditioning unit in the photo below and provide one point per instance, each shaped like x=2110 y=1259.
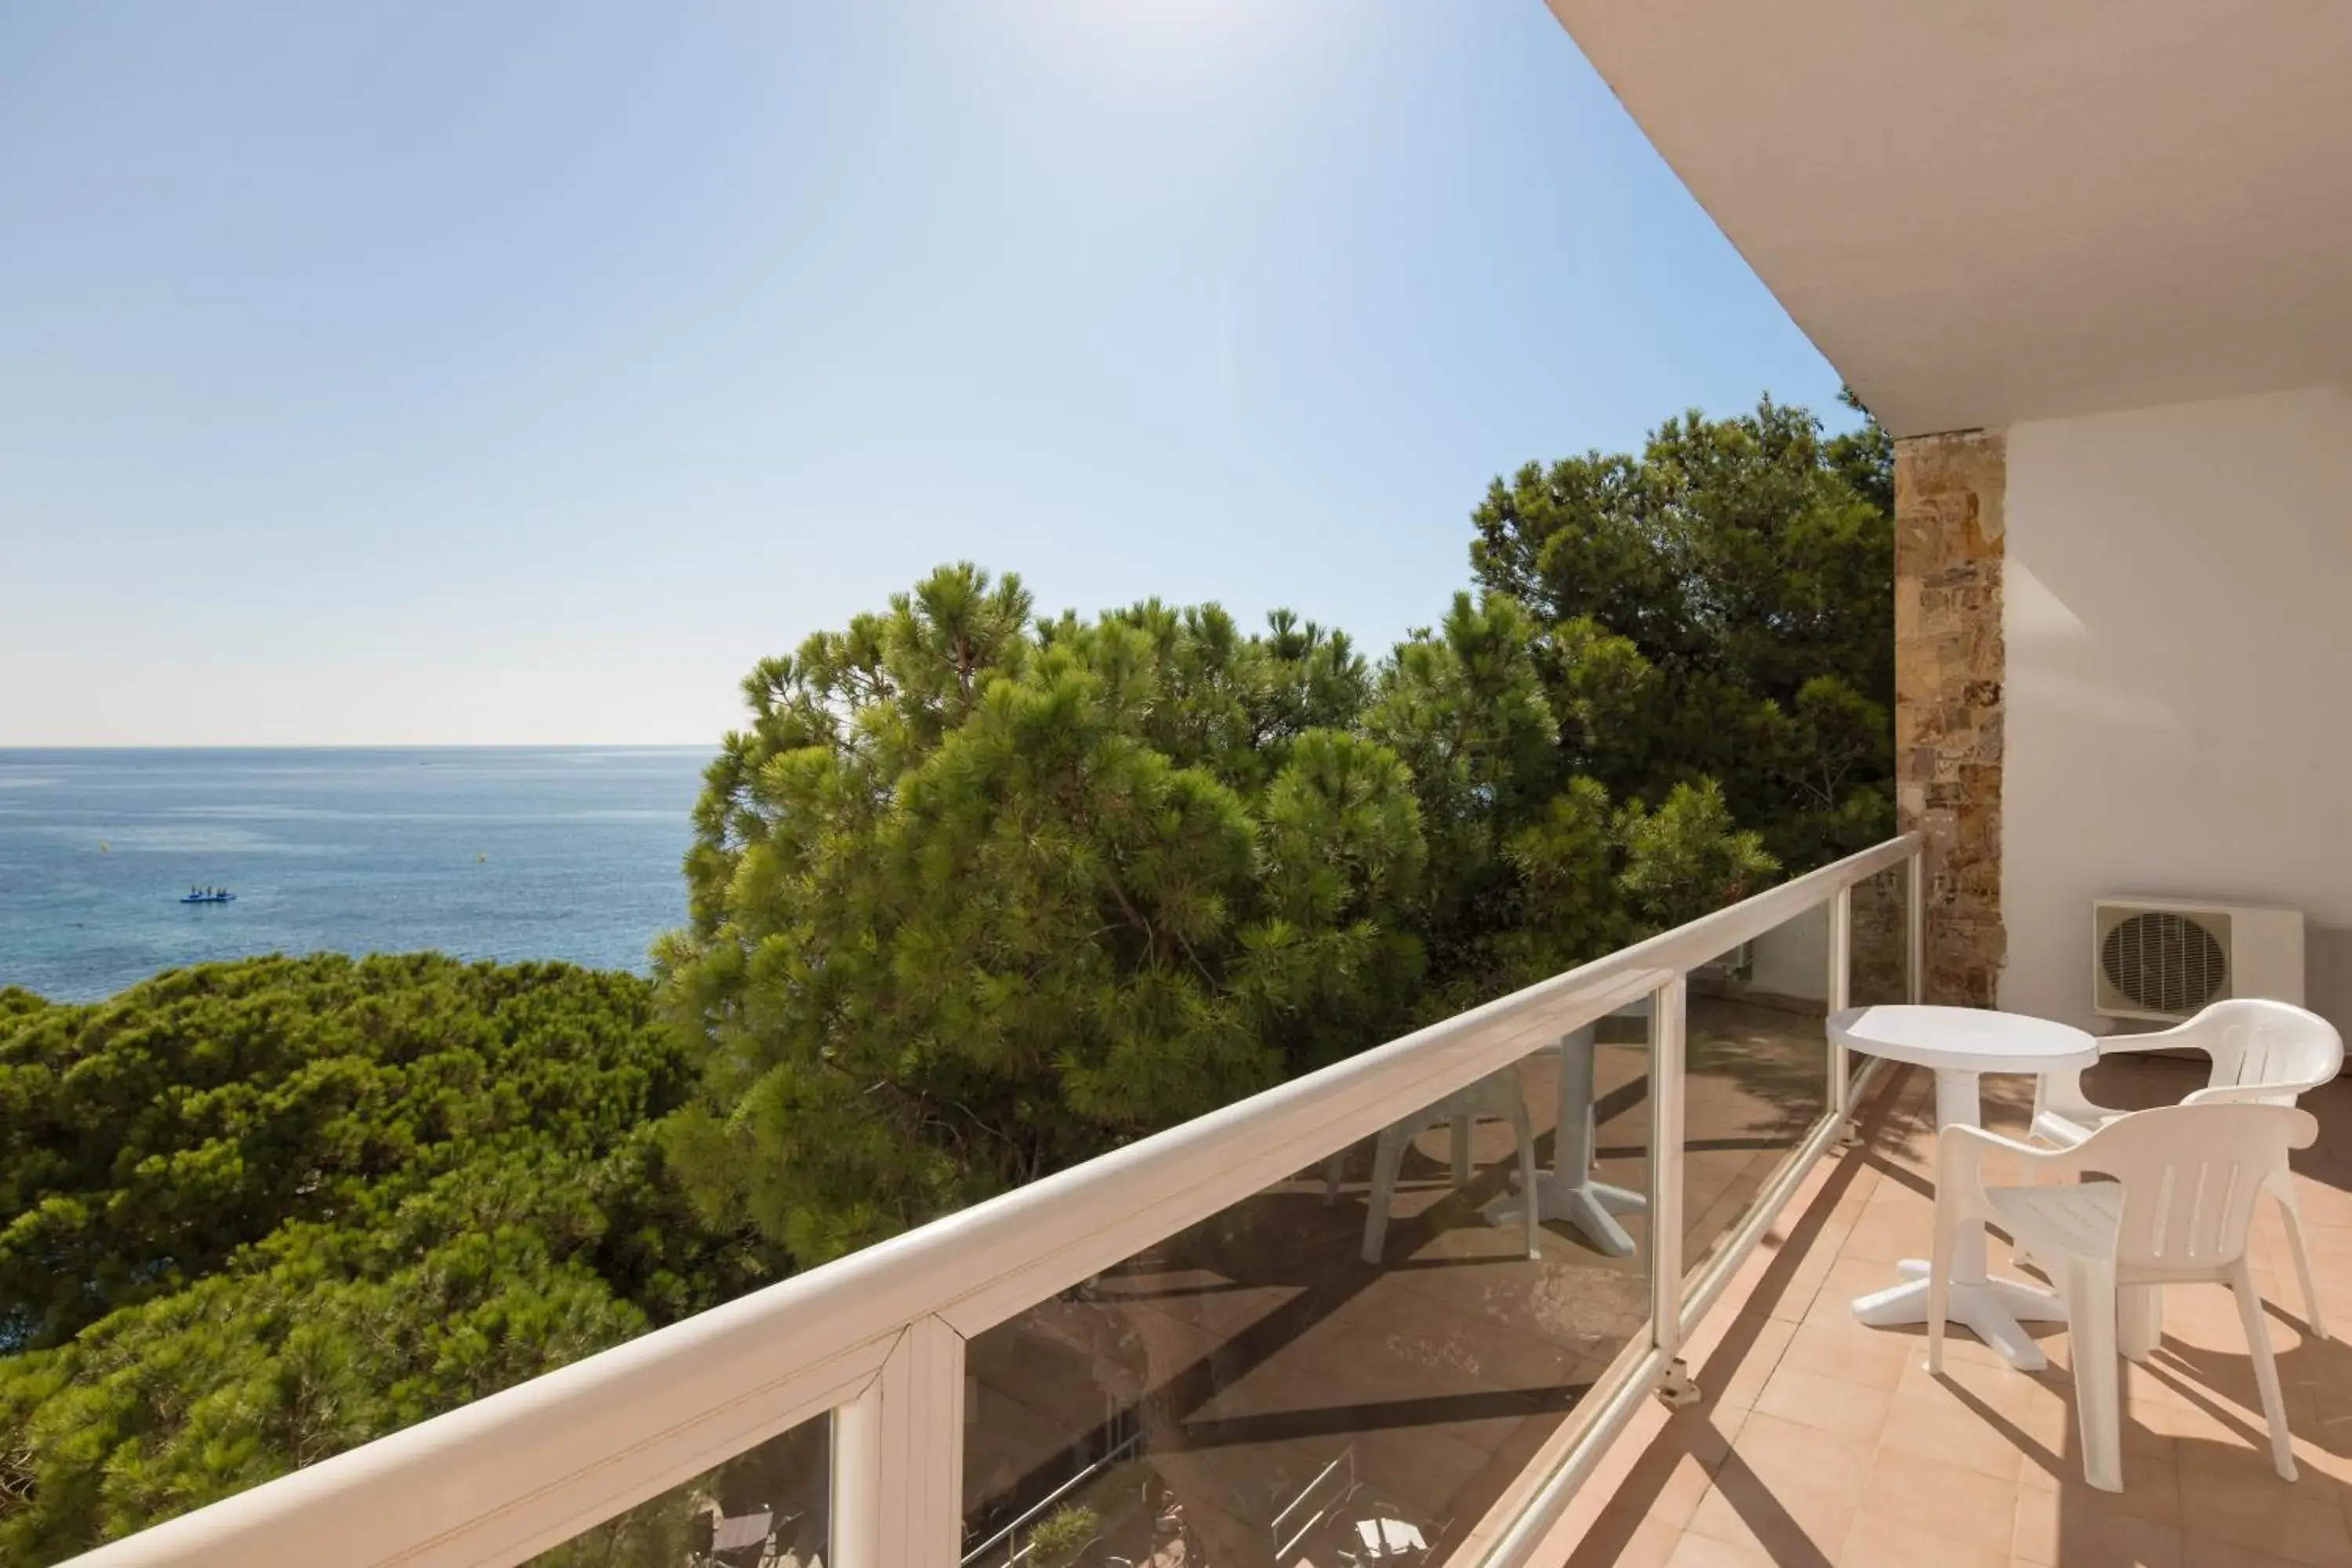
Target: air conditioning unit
x=2163 y=959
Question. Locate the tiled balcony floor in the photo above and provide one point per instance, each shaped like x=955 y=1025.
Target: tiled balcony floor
x=1819 y=1442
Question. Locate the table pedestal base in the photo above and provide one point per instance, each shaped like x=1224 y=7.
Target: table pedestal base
x=1591 y=1208
x=1566 y=1193
x=1991 y=1309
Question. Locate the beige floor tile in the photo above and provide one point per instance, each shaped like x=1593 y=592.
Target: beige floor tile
x=1731 y=1373
x=1789 y=1524
x=1668 y=1484
x=1803 y=1282
x=1938 y=1426
x=1827 y=1405
x=1851 y=1277
x=2151 y=1484
x=2204 y=1551
x=1885 y=1234
x=2250 y=1469
x=2151 y=1487
x=1853 y=1354
x=1990 y=1384
x=2282 y=1521
x=2186 y=1424
x=1620 y=1538
x=2076 y=1525
x=1701 y=1551
x=1889 y=1543
x=1787 y=1489
x=1879 y=1543
x=1941 y=1499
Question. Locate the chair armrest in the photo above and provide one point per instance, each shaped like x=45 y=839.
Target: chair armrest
x=1959 y=1165
x=2185 y=1037
x=2248 y=1094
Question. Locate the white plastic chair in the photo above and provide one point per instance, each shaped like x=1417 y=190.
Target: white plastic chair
x=2264 y=1052
x=2186 y=1181
x=1497 y=1096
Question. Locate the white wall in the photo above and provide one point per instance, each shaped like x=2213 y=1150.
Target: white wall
x=2178 y=616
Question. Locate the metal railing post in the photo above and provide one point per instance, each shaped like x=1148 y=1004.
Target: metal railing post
x=1836 y=999
x=1915 y=928
x=897 y=1458
x=1667 y=1009
x=856 y=1510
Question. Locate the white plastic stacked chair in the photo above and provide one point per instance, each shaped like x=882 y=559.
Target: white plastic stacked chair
x=2185 y=1182
x=2263 y=1053
x=1497 y=1096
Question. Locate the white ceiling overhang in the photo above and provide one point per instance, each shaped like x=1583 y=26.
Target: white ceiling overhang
x=1985 y=212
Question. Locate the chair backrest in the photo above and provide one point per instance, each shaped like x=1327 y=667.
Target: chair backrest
x=2257 y=1044
x=2190 y=1175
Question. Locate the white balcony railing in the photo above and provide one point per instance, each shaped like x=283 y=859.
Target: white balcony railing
x=877 y=1341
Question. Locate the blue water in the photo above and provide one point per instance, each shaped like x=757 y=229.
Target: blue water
x=484 y=853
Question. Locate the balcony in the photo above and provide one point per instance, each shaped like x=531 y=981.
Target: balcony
x=1822 y=1442
x=1204 y=1348
x=1201 y=1350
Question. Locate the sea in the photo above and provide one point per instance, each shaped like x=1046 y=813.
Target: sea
x=501 y=853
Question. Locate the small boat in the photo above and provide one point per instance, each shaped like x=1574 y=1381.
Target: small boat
x=208 y=896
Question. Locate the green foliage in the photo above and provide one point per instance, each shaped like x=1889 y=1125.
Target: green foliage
x=975 y=898
x=1719 y=606
x=264 y=1211
x=1061 y=1535
x=974 y=901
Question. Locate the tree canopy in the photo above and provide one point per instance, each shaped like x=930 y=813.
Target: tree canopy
x=977 y=895
x=263 y=1211
x=1720 y=606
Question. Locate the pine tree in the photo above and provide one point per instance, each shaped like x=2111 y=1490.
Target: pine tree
x=975 y=895
x=1718 y=607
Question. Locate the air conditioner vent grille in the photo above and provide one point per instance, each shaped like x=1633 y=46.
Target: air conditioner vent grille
x=2165 y=962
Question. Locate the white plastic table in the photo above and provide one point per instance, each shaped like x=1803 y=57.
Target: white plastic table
x=1958 y=1044
x=1569 y=1192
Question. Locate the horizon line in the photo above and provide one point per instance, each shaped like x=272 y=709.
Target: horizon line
x=363 y=746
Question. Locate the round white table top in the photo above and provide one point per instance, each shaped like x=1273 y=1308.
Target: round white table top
x=1968 y=1039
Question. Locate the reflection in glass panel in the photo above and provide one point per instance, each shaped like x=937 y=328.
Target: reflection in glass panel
x=1252 y=1392
x=1757 y=1073
x=1881 y=951
x=765 y=1508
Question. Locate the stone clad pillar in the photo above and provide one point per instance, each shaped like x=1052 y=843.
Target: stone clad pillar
x=1949 y=665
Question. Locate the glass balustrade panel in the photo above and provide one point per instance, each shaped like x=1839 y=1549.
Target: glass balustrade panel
x=1755 y=1076
x=1356 y=1362
x=768 y=1507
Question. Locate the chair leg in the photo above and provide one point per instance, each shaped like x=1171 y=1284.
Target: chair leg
x=1386 y=1159
x=2091 y=1321
x=2139 y=1314
x=2258 y=1343
x=1461 y=1150
x=1939 y=1281
x=1334 y=1169
x=2293 y=1211
x=1530 y=1200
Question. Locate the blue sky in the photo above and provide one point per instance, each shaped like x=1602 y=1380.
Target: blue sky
x=385 y=372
